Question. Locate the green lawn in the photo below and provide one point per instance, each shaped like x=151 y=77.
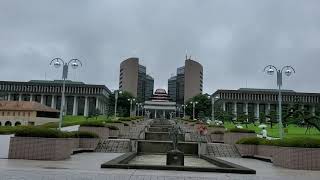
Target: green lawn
x=74 y=120
x=293 y=130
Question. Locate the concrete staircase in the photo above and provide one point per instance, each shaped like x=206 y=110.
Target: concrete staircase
x=222 y=150
x=114 y=146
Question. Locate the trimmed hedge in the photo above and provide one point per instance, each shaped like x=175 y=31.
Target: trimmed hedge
x=238 y=130
x=41 y=132
x=217 y=132
x=92 y=124
x=112 y=127
x=216 y=126
x=83 y=134
x=303 y=142
x=10 y=130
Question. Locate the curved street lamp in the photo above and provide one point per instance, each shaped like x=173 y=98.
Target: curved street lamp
x=184 y=110
x=287 y=70
x=57 y=62
x=116 y=96
x=213 y=100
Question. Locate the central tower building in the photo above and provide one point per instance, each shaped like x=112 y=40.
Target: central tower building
x=134 y=79
x=187 y=83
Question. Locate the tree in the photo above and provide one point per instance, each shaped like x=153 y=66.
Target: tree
x=123 y=105
x=243 y=119
x=204 y=105
x=272 y=116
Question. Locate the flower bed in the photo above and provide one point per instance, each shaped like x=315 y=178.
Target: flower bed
x=293 y=153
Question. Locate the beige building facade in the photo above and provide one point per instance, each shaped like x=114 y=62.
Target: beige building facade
x=15 y=113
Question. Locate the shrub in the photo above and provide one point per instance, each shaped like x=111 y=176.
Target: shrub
x=83 y=134
x=216 y=126
x=238 y=130
x=41 y=132
x=112 y=127
x=217 y=132
x=303 y=142
x=92 y=124
x=9 y=130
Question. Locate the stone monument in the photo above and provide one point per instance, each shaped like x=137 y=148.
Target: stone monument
x=175 y=157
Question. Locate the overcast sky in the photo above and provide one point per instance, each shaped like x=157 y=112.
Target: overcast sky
x=233 y=40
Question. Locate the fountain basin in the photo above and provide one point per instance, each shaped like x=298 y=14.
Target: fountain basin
x=204 y=163
x=161 y=136
x=162 y=147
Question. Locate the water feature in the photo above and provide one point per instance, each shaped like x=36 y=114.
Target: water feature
x=164 y=148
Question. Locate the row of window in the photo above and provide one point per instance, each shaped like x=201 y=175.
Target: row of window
x=14 y=113
x=269 y=97
x=49 y=89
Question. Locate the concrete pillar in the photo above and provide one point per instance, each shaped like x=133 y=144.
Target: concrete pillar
x=246 y=108
x=42 y=99
x=164 y=114
x=31 y=97
x=268 y=108
x=75 y=106
x=53 y=101
x=86 y=106
x=224 y=106
x=20 y=97
x=97 y=103
x=235 y=110
x=257 y=111
x=9 y=97
x=155 y=114
x=313 y=110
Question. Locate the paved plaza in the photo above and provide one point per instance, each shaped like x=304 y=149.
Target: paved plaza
x=86 y=166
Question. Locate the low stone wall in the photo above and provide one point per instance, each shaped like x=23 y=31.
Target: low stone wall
x=287 y=157
x=216 y=137
x=34 y=148
x=232 y=138
x=297 y=158
x=247 y=150
x=214 y=129
x=102 y=132
x=75 y=143
x=114 y=133
x=161 y=136
x=88 y=143
x=122 y=129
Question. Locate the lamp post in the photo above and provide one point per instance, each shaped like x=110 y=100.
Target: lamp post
x=213 y=100
x=184 y=110
x=138 y=108
x=193 y=108
x=288 y=71
x=131 y=101
x=65 y=66
x=116 y=96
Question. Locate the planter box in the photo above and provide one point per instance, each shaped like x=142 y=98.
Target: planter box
x=213 y=129
x=232 y=138
x=267 y=151
x=247 y=150
x=297 y=158
x=217 y=137
x=75 y=143
x=88 y=143
x=122 y=129
x=35 y=148
x=114 y=133
x=102 y=132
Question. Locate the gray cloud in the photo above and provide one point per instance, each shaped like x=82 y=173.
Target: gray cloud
x=233 y=40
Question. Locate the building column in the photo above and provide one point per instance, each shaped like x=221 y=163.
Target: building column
x=258 y=110
x=53 y=101
x=313 y=110
x=224 y=106
x=164 y=114
x=155 y=114
x=20 y=97
x=9 y=97
x=97 y=103
x=246 y=108
x=31 y=97
x=268 y=109
x=42 y=99
x=75 y=106
x=86 y=107
x=235 y=110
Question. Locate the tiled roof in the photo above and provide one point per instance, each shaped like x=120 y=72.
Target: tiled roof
x=24 y=106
